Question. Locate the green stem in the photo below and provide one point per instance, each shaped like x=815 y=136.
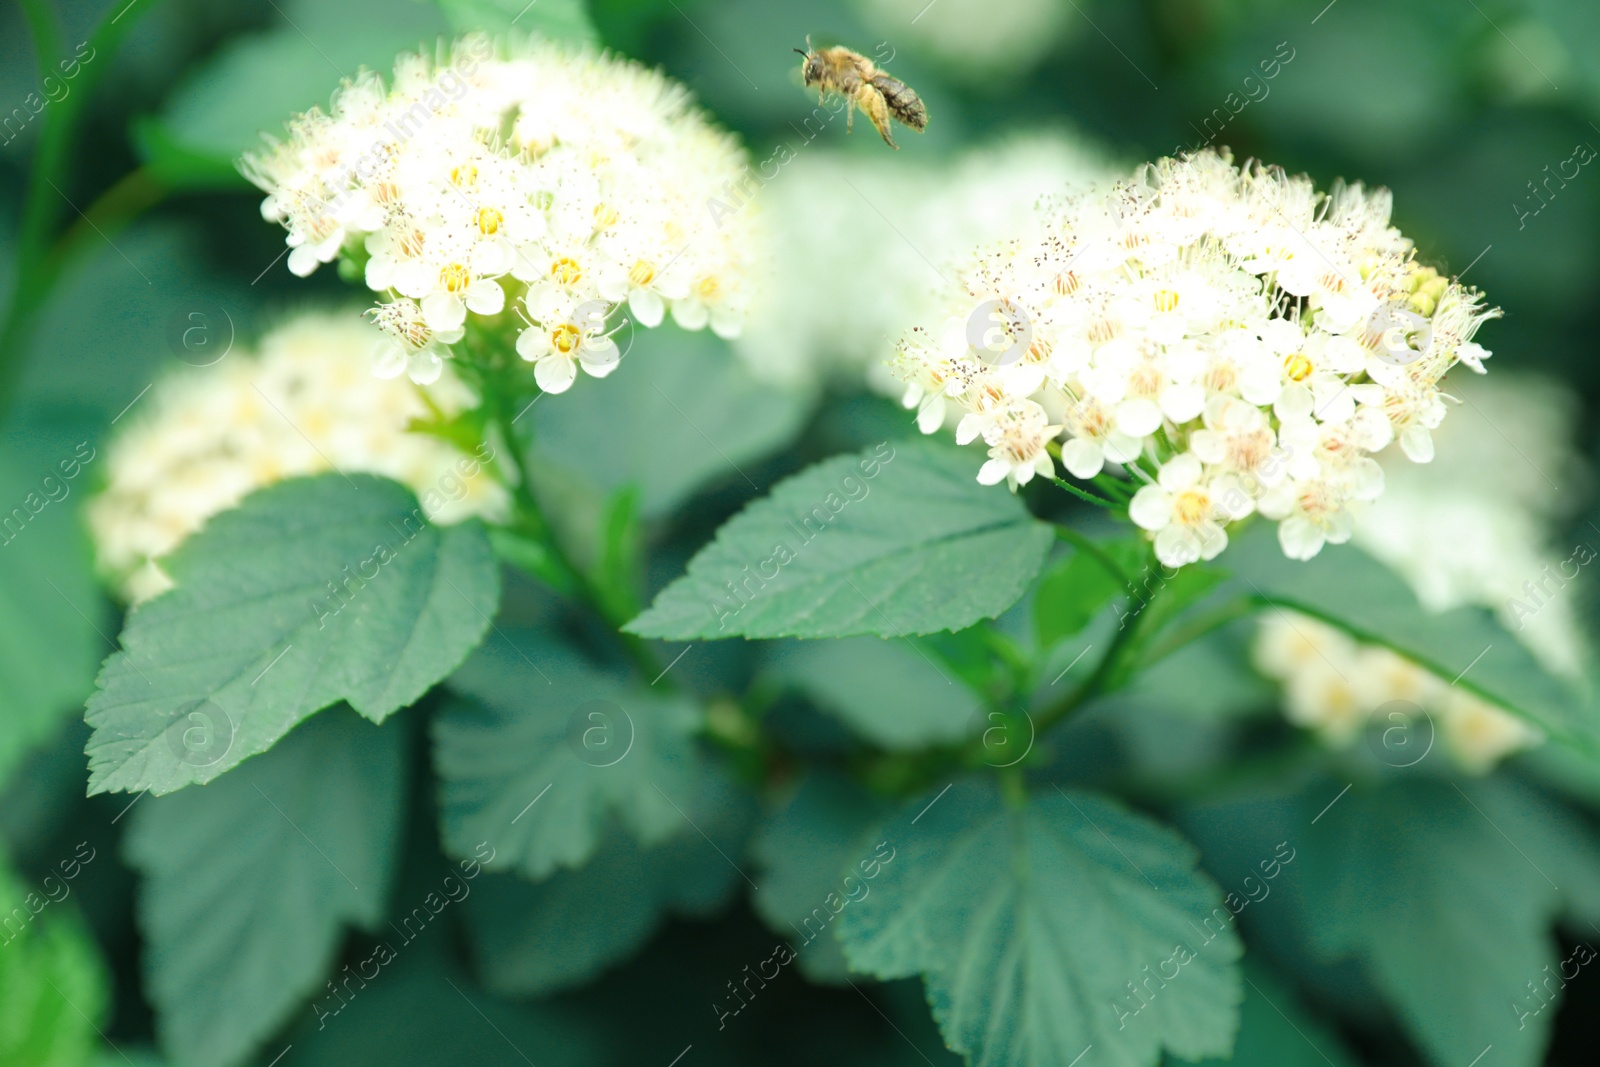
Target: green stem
x=1200 y=627
x=1081 y=494
x=46 y=33
x=568 y=578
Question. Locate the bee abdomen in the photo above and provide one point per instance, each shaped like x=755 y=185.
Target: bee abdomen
x=903 y=101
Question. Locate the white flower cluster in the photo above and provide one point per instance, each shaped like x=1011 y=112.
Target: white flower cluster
x=205 y=438
x=1334 y=685
x=899 y=221
x=1236 y=339
x=1479 y=531
x=560 y=182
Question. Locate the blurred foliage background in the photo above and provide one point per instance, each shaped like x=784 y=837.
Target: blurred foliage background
x=1461 y=107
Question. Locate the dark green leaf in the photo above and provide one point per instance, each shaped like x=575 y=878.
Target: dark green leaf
x=897 y=540
x=49 y=606
x=276 y=616
x=1445 y=894
x=1045 y=929
x=682 y=412
x=805 y=850
x=250 y=881
x=1076 y=587
x=541 y=750
x=423 y=1008
x=531 y=939
x=890 y=692
x=1275 y=1030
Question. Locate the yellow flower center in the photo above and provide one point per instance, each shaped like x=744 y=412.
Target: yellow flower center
x=454 y=277
x=490 y=220
x=1191 y=507
x=1067 y=283
x=1297 y=367
x=1166 y=300
x=708 y=287
x=566 y=271
x=642 y=273
x=411 y=243
x=605 y=216
x=464 y=176
x=565 y=338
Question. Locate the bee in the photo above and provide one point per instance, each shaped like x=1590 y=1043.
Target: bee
x=853 y=76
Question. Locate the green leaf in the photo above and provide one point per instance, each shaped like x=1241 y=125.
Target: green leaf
x=896 y=540
x=559 y=20
x=275 y=616
x=805 y=850
x=424 y=1009
x=249 y=882
x=539 y=751
x=1350 y=590
x=617 y=576
x=1275 y=1030
x=1445 y=895
x=684 y=414
x=54 y=990
x=890 y=692
x=531 y=939
x=49 y=606
x=255 y=82
x=1050 y=927
x=1071 y=593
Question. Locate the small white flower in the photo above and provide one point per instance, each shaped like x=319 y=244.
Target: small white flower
x=1017 y=440
x=566 y=334
x=1186 y=509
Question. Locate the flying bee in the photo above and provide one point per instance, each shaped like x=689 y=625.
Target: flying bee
x=854 y=77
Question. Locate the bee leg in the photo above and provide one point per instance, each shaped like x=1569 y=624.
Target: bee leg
x=877 y=109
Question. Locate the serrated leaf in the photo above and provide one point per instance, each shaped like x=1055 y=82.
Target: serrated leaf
x=1350 y=590
x=889 y=692
x=49 y=605
x=684 y=413
x=1044 y=929
x=897 y=540
x=249 y=882
x=275 y=617
x=559 y=20
x=531 y=939
x=539 y=750
x=804 y=850
x=54 y=990
x=1445 y=894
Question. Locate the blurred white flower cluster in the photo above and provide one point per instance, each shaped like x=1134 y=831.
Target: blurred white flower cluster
x=901 y=225
x=307 y=403
x=561 y=182
x=1249 y=340
x=1334 y=685
x=1476 y=530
